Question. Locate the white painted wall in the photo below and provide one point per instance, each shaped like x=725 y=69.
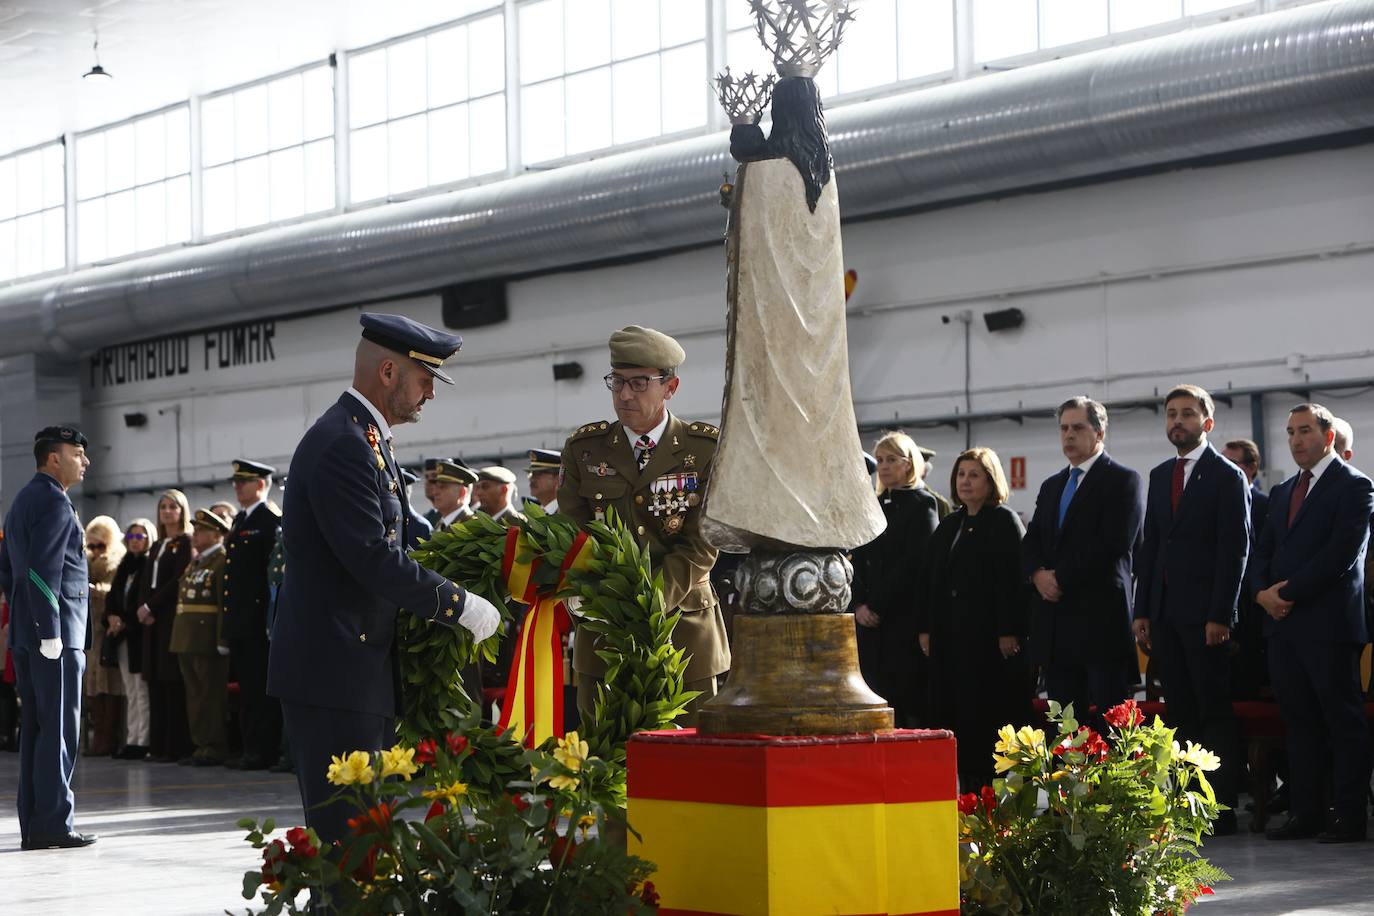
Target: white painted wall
x=1216 y=276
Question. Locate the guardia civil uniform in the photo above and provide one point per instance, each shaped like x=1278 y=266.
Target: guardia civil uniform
x=661 y=504
x=201 y=648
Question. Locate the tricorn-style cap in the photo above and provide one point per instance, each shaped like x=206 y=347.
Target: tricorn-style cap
x=427 y=346
x=635 y=346
x=251 y=470
x=496 y=473
x=543 y=459
x=204 y=518
x=62 y=434
x=447 y=470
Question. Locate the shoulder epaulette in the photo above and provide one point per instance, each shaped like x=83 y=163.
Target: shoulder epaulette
x=274 y=508
x=704 y=429
x=591 y=429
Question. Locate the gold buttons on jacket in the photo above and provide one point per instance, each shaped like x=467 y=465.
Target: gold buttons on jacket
x=640 y=529
x=598 y=496
x=640 y=499
x=362 y=637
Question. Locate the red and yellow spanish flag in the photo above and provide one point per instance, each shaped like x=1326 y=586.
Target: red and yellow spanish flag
x=533 y=705
x=753 y=824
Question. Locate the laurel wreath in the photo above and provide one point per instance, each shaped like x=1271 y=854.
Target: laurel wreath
x=622 y=602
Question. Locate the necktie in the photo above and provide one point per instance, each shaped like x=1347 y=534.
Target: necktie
x=1299 y=494
x=1070 y=488
x=644 y=450
x=1176 y=493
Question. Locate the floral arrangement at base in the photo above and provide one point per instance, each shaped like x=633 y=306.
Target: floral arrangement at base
x=425 y=842
x=1089 y=823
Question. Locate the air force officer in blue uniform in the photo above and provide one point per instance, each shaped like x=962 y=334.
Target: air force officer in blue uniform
x=43 y=571
x=348 y=525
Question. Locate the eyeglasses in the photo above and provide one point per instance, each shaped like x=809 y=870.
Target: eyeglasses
x=135 y=537
x=92 y=545
x=638 y=383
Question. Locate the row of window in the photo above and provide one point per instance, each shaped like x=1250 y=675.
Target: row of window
x=432 y=110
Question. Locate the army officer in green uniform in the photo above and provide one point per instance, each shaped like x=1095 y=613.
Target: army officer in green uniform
x=651 y=468
x=199 y=643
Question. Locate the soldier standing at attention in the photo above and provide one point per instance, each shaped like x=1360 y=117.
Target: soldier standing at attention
x=199 y=643
x=43 y=573
x=333 y=661
x=450 y=492
x=651 y=468
x=247 y=594
x=495 y=494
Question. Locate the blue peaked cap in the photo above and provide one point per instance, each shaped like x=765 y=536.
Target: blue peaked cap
x=427 y=346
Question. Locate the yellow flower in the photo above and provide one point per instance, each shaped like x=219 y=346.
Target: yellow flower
x=1002 y=764
x=1031 y=739
x=1198 y=756
x=451 y=792
x=351 y=768
x=572 y=752
x=1006 y=740
x=586 y=821
x=564 y=782
x=399 y=761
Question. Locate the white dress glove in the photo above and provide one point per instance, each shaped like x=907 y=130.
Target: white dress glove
x=574 y=605
x=222 y=650
x=51 y=648
x=479 y=616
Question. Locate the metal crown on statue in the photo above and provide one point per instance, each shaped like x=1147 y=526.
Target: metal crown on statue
x=800 y=34
x=744 y=97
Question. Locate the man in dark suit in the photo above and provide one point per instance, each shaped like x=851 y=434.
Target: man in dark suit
x=43 y=572
x=1308 y=575
x=1189 y=571
x=248 y=553
x=1250 y=664
x=1077 y=554
x=333 y=658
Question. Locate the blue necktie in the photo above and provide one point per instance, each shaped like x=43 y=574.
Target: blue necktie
x=1070 y=488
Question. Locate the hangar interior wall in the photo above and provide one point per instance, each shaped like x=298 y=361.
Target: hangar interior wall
x=1255 y=274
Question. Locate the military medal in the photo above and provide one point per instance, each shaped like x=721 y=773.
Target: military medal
x=672 y=524
x=374 y=440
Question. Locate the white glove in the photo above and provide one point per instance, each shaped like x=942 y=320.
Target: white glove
x=51 y=648
x=222 y=650
x=574 y=605
x=480 y=616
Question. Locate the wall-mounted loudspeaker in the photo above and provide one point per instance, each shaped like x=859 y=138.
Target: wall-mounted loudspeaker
x=1004 y=320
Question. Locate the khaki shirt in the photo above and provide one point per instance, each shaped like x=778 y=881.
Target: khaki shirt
x=662 y=506
x=199 y=625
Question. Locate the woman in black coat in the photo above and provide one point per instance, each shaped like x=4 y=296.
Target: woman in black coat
x=122 y=626
x=884 y=588
x=169 y=732
x=972 y=616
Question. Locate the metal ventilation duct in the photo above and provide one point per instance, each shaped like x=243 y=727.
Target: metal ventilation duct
x=1286 y=76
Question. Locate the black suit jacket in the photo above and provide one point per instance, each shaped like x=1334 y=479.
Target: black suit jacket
x=1091 y=558
x=1201 y=551
x=1321 y=556
x=248 y=552
x=886 y=569
x=333 y=638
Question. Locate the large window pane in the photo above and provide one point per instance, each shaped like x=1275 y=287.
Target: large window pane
x=541 y=40
x=486 y=56
x=178 y=210
x=587 y=34
x=90 y=166
x=368 y=165
x=150 y=148
x=408 y=150
x=217 y=190
x=868 y=56
x=541 y=121
x=29 y=258
x=319 y=176
x=407 y=78
x=150 y=212
x=285 y=112
x=217 y=130
x=744 y=53
x=54 y=175
x=30 y=169
x=589 y=111
x=9 y=265
x=318 y=89
x=286 y=176
x=250 y=121
x=448 y=66
x=367 y=88
x=681 y=21
x=178 y=130
x=9 y=188
x=119 y=157
x=252 y=185
x=90 y=230
x=925 y=37
x=636 y=99
x=737 y=16
x=1063 y=22
x=634 y=28
x=685 y=99
x=120 y=224
x=1195 y=7
x=487 y=130
x=54 y=239
x=1005 y=28
x=1136 y=14
x=448 y=144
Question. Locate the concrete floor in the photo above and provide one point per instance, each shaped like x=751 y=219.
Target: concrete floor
x=168 y=845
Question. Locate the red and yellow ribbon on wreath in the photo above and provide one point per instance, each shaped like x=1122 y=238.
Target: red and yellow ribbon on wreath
x=533 y=705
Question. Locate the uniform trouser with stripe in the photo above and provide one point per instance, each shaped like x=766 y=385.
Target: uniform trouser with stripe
x=50 y=733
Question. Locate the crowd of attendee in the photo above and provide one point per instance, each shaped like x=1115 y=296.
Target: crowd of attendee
x=962 y=621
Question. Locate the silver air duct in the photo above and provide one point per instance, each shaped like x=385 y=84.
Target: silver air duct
x=1287 y=76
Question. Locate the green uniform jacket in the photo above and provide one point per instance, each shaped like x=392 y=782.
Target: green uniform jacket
x=199 y=625
x=662 y=505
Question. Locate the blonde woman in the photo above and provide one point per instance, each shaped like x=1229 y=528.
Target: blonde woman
x=122 y=626
x=104 y=550
x=972 y=615
x=885 y=580
x=169 y=734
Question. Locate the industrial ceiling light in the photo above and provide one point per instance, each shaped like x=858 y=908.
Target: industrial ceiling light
x=97 y=73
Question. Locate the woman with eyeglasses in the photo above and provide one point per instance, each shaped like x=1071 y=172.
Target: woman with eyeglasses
x=121 y=625
x=104 y=550
x=169 y=732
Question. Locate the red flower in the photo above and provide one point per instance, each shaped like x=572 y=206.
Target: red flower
x=1123 y=715
x=273 y=857
x=376 y=820
x=435 y=810
x=518 y=799
x=989 y=799
x=649 y=895
x=562 y=850
x=425 y=750
x=968 y=803
x=1091 y=746
x=299 y=838
x=456 y=743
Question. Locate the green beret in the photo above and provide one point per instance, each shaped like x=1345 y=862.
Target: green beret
x=636 y=347
x=497 y=474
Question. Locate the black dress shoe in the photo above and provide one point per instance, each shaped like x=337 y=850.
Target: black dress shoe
x=1343 y=830
x=132 y=752
x=61 y=841
x=1294 y=829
